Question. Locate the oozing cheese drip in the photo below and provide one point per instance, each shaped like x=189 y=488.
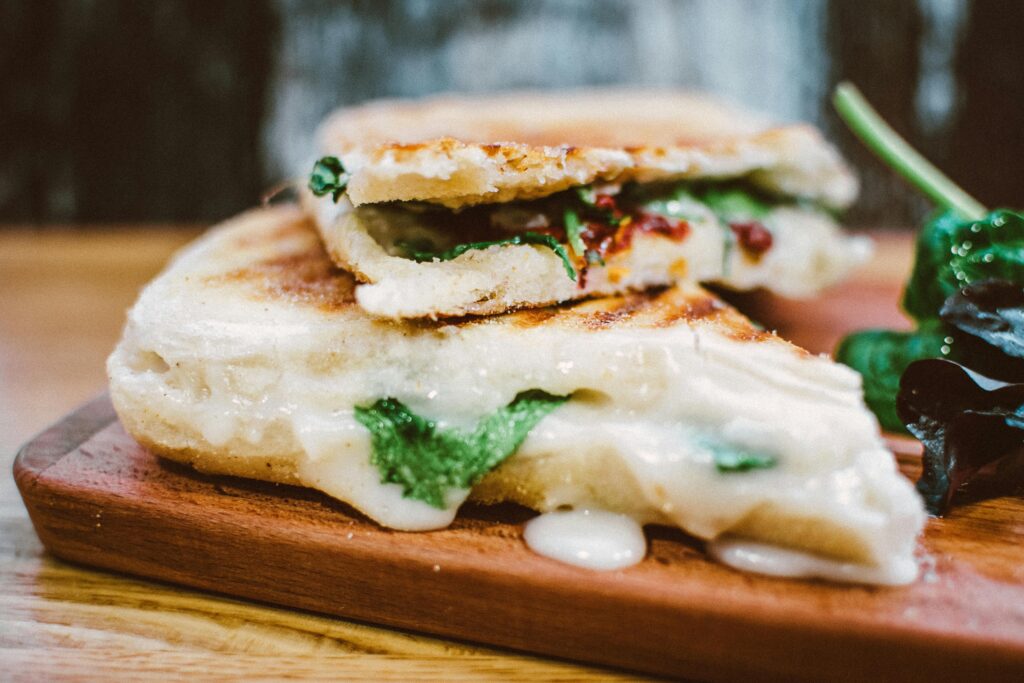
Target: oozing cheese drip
x=603 y=541
x=593 y=539
x=762 y=558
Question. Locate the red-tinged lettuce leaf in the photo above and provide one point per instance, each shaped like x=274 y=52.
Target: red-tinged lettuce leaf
x=966 y=422
x=951 y=252
x=987 y=319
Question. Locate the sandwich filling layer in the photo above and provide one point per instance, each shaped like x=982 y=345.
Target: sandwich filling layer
x=250 y=356
x=416 y=259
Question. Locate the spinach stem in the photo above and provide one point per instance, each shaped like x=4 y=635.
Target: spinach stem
x=874 y=132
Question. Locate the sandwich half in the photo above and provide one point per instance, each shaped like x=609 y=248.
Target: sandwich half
x=479 y=205
x=249 y=356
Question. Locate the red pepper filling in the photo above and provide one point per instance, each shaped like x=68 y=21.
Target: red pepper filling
x=607 y=228
x=614 y=233
x=753 y=237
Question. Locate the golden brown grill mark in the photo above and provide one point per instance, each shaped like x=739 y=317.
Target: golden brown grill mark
x=409 y=147
x=662 y=308
x=753 y=335
x=306 y=277
x=535 y=317
x=709 y=309
x=691 y=310
x=618 y=310
x=407 y=150
x=520 y=155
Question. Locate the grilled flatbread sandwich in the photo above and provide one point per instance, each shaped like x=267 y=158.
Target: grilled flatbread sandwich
x=250 y=356
x=478 y=205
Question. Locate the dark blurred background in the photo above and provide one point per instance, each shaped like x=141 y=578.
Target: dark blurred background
x=186 y=110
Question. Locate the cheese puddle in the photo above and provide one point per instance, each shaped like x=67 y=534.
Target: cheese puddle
x=593 y=539
x=762 y=558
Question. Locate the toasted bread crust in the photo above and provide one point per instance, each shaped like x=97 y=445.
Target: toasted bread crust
x=462 y=150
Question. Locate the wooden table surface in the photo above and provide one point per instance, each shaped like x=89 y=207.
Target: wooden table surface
x=63 y=294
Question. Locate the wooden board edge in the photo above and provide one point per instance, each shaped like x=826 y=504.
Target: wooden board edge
x=62 y=437
x=48 y=448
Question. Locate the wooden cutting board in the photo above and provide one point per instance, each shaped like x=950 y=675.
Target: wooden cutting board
x=97 y=498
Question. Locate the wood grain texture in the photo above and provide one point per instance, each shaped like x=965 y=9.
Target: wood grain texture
x=62 y=299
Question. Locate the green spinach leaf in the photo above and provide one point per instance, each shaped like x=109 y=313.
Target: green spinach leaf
x=732 y=204
x=587 y=194
x=737 y=460
x=987 y=319
x=670 y=202
x=548 y=241
x=573 y=231
x=732 y=458
x=428 y=461
x=953 y=252
x=881 y=356
x=328 y=177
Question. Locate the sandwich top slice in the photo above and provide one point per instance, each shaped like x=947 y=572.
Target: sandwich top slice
x=476 y=205
x=249 y=356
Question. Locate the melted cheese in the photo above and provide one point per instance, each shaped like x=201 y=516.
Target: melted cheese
x=594 y=539
x=248 y=384
x=762 y=558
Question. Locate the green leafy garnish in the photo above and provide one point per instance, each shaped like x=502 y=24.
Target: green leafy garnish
x=587 y=194
x=741 y=461
x=971 y=419
x=959 y=246
x=428 y=461
x=874 y=132
x=536 y=238
x=953 y=252
x=328 y=177
x=666 y=201
x=881 y=356
x=573 y=230
x=732 y=458
x=731 y=204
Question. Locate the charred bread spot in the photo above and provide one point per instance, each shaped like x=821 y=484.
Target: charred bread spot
x=692 y=310
x=618 y=310
x=535 y=317
x=306 y=277
x=754 y=335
